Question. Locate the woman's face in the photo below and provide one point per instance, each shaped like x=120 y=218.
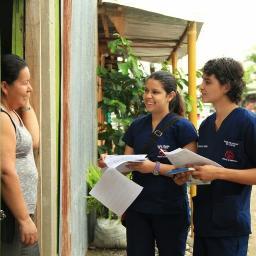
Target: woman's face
x=155 y=97
x=211 y=89
x=17 y=94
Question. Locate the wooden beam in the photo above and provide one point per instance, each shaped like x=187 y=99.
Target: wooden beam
x=192 y=83
x=65 y=249
x=105 y=25
x=142 y=40
x=149 y=56
x=174 y=62
x=180 y=41
x=118 y=20
x=152 y=46
x=33 y=59
x=48 y=128
x=192 y=71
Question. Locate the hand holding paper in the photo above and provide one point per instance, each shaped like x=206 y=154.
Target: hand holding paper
x=119 y=162
x=182 y=157
x=180 y=170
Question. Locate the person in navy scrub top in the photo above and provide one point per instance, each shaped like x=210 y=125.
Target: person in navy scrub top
x=160 y=214
x=228 y=137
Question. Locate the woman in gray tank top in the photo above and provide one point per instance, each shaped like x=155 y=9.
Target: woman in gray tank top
x=19 y=135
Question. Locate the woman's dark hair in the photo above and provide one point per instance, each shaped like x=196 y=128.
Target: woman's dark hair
x=169 y=85
x=11 y=65
x=227 y=71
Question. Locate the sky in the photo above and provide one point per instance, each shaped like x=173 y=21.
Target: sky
x=229 y=27
x=228 y=30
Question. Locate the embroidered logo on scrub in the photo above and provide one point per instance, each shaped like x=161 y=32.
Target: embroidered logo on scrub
x=229 y=154
x=162 y=149
x=202 y=146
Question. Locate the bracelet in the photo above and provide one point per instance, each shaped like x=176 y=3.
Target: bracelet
x=156 y=170
x=25 y=109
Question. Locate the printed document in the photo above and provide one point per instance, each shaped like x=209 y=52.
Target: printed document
x=119 y=162
x=115 y=191
x=181 y=157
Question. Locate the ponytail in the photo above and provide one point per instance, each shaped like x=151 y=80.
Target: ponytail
x=177 y=105
x=169 y=84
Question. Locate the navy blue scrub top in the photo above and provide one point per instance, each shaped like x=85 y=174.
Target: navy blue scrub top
x=223 y=208
x=160 y=194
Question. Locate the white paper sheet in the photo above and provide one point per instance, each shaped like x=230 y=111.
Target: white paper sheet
x=119 y=162
x=115 y=191
x=181 y=157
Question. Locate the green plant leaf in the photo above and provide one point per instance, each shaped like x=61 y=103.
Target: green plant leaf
x=123 y=67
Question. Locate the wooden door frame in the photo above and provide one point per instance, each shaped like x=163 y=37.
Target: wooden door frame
x=40 y=53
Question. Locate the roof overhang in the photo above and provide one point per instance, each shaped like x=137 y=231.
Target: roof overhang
x=154 y=36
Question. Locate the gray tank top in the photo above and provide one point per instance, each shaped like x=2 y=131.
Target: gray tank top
x=25 y=164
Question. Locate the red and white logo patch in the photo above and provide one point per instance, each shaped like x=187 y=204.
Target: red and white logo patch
x=229 y=155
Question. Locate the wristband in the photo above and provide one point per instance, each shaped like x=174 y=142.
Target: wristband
x=156 y=170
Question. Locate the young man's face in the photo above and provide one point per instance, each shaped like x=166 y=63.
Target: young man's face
x=211 y=89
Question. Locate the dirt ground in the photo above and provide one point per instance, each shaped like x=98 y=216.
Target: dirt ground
x=105 y=252
x=251 y=252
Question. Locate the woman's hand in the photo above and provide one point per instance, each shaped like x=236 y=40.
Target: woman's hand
x=101 y=161
x=206 y=172
x=181 y=178
x=146 y=166
x=28 y=231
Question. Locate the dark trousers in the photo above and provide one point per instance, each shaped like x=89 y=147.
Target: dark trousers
x=168 y=232
x=17 y=248
x=220 y=246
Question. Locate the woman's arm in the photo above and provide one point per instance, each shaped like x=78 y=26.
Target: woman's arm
x=128 y=150
x=148 y=166
x=11 y=190
x=210 y=172
x=29 y=119
x=192 y=146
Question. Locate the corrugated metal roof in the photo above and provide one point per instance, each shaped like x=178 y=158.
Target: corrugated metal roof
x=154 y=35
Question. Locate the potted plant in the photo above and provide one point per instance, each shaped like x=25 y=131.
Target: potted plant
x=94 y=207
x=104 y=227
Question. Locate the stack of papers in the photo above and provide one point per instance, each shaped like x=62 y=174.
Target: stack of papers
x=119 y=162
x=182 y=157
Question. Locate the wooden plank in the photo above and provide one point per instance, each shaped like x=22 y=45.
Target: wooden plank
x=48 y=129
x=65 y=245
x=57 y=72
x=78 y=120
x=180 y=41
x=105 y=24
x=118 y=20
x=32 y=56
x=141 y=40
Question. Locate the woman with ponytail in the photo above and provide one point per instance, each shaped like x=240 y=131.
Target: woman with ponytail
x=161 y=213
